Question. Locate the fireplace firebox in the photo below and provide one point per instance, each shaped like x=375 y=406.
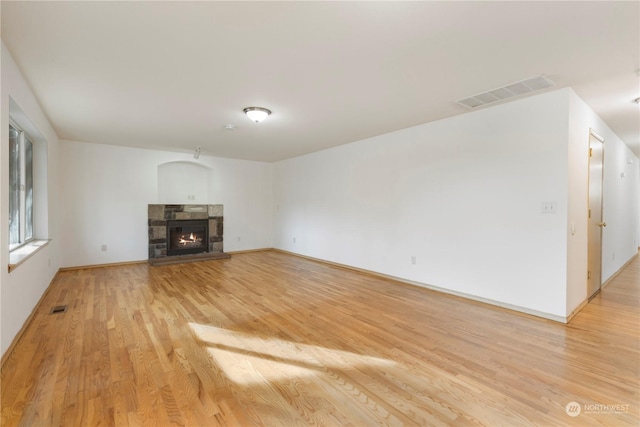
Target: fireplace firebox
x=187 y=236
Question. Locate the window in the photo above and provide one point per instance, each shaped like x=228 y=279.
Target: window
x=20 y=187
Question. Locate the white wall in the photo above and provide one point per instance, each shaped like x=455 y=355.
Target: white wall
x=21 y=289
x=463 y=195
x=621 y=207
x=621 y=200
x=183 y=182
x=578 y=197
x=105 y=190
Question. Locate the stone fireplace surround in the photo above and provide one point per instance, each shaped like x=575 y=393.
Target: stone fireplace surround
x=159 y=215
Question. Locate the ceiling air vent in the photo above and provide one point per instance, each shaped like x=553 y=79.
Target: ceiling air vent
x=509 y=91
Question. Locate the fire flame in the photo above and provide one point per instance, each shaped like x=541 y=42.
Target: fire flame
x=191 y=239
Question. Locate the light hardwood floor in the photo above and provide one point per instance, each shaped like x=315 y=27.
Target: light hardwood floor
x=271 y=339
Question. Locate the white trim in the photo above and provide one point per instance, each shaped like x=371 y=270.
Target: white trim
x=596 y=135
x=24 y=252
x=549 y=316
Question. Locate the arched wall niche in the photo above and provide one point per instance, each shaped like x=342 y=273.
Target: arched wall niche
x=183 y=182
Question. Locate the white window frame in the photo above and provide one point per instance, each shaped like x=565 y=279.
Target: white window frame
x=24 y=219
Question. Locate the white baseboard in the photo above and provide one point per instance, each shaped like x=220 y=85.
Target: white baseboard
x=520 y=309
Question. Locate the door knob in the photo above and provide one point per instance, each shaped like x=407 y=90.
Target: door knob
x=602 y=224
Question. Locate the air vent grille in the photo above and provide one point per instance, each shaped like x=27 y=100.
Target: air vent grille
x=509 y=91
x=58 y=309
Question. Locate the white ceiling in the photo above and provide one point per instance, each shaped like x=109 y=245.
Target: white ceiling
x=171 y=75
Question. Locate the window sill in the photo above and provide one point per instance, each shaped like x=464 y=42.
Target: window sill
x=21 y=254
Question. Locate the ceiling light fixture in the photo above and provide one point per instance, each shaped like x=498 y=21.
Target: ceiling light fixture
x=257 y=114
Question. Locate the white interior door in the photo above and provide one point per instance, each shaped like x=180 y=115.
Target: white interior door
x=596 y=222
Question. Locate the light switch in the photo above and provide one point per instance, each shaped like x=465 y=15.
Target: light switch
x=549 y=207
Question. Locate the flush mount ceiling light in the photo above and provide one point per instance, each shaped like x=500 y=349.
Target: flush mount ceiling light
x=257 y=114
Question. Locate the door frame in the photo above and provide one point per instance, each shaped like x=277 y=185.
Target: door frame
x=591 y=295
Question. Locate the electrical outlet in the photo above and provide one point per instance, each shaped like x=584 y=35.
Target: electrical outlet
x=413 y=260
x=104 y=248
x=294 y=240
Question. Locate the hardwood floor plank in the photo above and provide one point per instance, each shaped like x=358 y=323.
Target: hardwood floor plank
x=266 y=338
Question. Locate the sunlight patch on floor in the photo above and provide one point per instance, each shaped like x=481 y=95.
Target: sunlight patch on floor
x=249 y=359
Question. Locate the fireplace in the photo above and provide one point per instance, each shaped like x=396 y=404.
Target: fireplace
x=181 y=233
x=188 y=236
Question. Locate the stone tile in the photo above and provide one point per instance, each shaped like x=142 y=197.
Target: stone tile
x=156 y=211
x=216 y=210
x=195 y=208
x=157 y=250
x=157 y=232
